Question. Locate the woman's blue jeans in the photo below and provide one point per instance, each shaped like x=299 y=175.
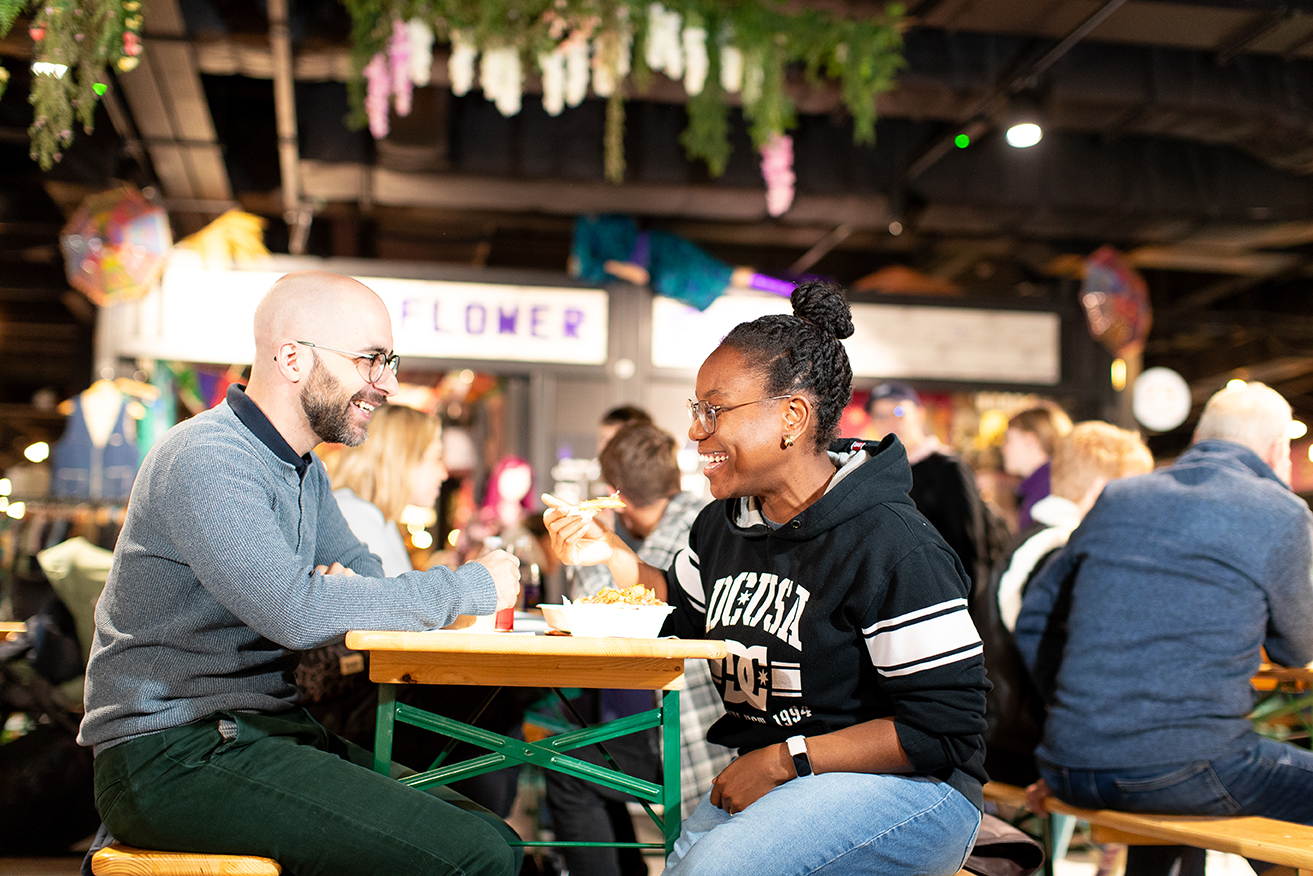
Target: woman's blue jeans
x=831 y=824
x=1266 y=778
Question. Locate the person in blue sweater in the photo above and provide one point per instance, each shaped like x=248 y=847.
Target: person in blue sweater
x=1171 y=588
x=233 y=558
x=854 y=688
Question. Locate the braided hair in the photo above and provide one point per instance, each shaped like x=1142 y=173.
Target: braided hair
x=801 y=353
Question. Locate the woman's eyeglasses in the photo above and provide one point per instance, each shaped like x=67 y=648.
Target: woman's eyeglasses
x=706 y=413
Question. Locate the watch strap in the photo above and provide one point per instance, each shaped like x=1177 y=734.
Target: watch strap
x=802 y=764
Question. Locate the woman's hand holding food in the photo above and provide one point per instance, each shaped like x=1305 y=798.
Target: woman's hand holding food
x=577 y=539
x=505 y=570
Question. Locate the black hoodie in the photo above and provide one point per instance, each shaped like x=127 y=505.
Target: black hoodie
x=853 y=610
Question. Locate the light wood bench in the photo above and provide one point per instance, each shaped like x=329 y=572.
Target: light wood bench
x=117 y=859
x=1263 y=839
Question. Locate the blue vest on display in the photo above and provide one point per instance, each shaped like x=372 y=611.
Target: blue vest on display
x=81 y=470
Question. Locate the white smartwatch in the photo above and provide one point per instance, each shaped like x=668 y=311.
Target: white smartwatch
x=802 y=764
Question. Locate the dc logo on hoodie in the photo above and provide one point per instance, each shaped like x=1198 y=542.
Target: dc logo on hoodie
x=749 y=676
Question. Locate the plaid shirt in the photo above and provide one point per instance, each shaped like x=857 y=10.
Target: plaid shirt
x=699 y=703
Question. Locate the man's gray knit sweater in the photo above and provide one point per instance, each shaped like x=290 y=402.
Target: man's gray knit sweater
x=213 y=585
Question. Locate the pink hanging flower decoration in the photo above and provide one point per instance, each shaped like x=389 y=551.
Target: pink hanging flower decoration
x=777 y=169
x=399 y=61
x=378 y=87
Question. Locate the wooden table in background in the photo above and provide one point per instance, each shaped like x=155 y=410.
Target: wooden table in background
x=515 y=660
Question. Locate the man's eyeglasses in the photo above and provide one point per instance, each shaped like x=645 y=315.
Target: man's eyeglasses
x=705 y=413
x=370 y=365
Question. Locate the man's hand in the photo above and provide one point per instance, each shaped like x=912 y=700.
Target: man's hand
x=1036 y=794
x=335 y=569
x=749 y=777
x=577 y=540
x=505 y=570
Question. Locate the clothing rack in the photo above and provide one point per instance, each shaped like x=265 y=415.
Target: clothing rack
x=45 y=523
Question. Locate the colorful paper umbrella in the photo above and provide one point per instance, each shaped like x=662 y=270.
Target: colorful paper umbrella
x=1116 y=302
x=115 y=246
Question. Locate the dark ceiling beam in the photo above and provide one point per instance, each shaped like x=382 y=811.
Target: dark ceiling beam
x=1271 y=372
x=1245 y=5
x=171 y=114
x=984 y=112
x=1261 y=26
x=1222 y=289
x=820 y=249
x=351 y=182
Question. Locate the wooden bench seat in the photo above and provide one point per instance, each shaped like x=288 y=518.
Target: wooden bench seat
x=117 y=859
x=1263 y=839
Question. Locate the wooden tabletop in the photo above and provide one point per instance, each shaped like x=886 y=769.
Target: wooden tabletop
x=516 y=660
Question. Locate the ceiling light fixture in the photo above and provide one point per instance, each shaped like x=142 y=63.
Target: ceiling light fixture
x=1024 y=135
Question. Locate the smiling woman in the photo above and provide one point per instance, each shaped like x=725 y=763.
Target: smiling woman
x=854 y=685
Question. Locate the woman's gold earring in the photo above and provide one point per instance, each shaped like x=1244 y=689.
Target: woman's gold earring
x=788 y=440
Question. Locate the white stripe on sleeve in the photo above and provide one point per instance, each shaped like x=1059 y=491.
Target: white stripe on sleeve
x=923 y=639
x=690 y=578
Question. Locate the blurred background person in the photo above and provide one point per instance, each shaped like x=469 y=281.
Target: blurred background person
x=1028 y=445
x=399 y=465
x=944 y=487
x=614 y=419
x=1145 y=631
x=1083 y=463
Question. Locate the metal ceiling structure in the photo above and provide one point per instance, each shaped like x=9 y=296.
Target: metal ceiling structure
x=1179 y=132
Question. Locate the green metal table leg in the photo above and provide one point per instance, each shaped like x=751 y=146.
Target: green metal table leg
x=670 y=778
x=548 y=754
x=385 y=720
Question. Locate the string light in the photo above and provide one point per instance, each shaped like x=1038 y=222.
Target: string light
x=1118 y=374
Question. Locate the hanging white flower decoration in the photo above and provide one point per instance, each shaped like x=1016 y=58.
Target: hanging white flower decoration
x=731 y=69
x=696 y=62
x=577 y=72
x=552 y=65
x=421 y=51
x=502 y=79
x=460 y=64
x=664 y=53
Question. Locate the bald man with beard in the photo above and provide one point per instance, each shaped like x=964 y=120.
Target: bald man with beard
x=233 y=558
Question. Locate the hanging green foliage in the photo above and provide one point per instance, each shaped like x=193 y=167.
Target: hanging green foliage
x=73 y=42
x=721 y=52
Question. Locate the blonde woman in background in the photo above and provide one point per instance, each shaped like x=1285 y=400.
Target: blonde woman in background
x=400 y=465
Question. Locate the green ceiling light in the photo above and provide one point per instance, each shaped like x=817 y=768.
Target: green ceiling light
x=100 y=88
x=962 y=141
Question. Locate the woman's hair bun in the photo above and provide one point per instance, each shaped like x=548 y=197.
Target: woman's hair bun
x=823 y=305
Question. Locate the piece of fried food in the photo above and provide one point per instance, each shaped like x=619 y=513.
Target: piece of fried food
x=589 y=507
x=636 y=595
